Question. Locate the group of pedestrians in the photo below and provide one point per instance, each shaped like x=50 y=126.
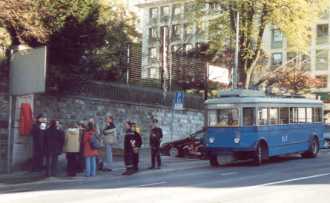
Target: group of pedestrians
x=88 y=149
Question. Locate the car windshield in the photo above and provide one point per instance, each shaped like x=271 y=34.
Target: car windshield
x=198 y=135
x=223 y=117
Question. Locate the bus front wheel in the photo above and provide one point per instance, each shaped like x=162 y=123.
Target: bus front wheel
x=313 y=150
x=261 y=153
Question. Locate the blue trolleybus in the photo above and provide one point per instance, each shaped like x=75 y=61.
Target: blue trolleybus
x=245 y=124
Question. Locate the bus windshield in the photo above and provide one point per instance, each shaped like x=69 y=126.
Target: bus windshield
x=223 y=117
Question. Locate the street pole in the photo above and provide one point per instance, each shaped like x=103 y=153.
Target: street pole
x=9 y=141
x=128 y=63
x=206 y=86
x=235 y=71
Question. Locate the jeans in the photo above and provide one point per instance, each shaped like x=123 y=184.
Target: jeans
x=90 y=166
x=107 y=162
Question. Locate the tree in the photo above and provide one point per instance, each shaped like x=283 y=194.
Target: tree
x=84 y=37
x=294 y=18
x=293 y=81
x=32 y=22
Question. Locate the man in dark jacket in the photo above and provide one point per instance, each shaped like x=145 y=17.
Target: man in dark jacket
x=129 y=142
x=136 y=147
x=38 y=139
x=155 y=139
x=54 y=141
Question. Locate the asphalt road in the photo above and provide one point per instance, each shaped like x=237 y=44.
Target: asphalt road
x=286 y=179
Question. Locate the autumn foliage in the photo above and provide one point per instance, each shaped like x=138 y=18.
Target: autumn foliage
x=293 y=80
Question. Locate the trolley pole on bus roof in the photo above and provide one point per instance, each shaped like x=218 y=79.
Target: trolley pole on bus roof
x=235 y=69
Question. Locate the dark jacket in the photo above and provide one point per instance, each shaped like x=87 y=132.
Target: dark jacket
x=138 y=140
x=54 y=141
x=38 y=137
x=128 y=147
x=155 y=137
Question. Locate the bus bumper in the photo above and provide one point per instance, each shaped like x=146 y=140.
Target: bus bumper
x=239 y=154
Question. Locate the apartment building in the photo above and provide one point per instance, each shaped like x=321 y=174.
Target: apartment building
x=167 y=24
x=316 y=61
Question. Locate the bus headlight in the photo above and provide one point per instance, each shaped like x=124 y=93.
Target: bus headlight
x=211 y=140
x=237 y=140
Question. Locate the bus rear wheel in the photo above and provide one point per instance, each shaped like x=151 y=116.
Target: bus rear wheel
x=261 y=153
x=313 y=150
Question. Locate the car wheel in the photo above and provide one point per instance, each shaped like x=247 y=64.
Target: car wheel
x=313 y=150
x=174 y=152
x=214 y=162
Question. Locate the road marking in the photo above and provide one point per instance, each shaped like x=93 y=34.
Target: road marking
x=294 y=179
x=229 y=173
x=153 y=184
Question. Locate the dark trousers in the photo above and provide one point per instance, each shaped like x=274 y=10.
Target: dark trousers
x=37 y=160
x=51 y=164
x=155 y=157
x=136 y=161
x=72 y=163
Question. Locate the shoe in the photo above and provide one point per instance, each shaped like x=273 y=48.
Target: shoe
x=152 y=167
x=158 y=167
x=127 y=173
x=107 y=169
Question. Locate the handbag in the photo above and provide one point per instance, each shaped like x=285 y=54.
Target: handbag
x=95 y=143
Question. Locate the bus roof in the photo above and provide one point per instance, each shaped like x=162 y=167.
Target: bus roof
x=255 y=97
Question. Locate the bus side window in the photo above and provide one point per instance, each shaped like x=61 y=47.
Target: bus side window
x=302 y=115
x=262 y=116
x=317 y=115
x=249 y=118
x=273 y=116
x=293 y=115
x=284 y=115
x=309 y=115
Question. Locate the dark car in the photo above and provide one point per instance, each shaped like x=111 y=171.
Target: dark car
x=191 y=146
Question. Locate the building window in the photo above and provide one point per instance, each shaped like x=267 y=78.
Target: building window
x=277 y=39
x=322 y=33
x=291 y=56
x=152 y=54
x=322 y=59
x=153 y=73
x=153 y=14
x=188 y=30
x=277 y=59
x=323 y=79
x=176 y=32
x=214 y=6
x=177 y=11
x=153 y=34
x=188 y=8
x=165 y=13
x=306 y=62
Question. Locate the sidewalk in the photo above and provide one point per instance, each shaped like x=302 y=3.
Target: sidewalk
x=169 y=164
